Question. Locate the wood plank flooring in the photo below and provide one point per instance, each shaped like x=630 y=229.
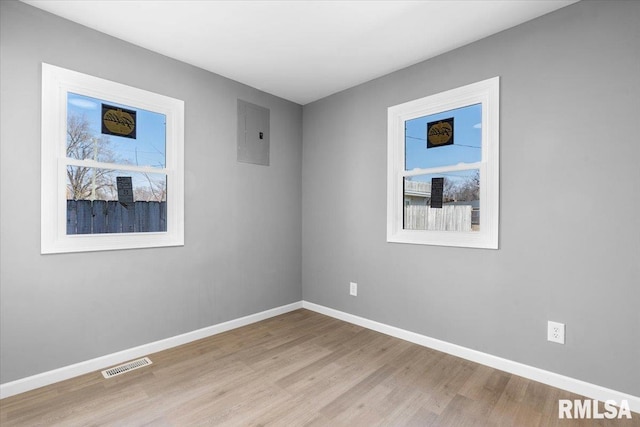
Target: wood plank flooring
x=298 y=369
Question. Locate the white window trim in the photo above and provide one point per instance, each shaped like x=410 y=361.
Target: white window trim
x=56 y=83
x=487 y=93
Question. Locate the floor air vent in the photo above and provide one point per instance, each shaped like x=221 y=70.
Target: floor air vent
x=129 y=366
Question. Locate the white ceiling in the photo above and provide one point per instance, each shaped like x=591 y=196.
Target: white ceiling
x=300 y=50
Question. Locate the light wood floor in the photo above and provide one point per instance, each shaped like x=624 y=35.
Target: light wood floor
x=297 y=369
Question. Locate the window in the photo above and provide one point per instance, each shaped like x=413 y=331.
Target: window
x=442 y=171
x=112 y=165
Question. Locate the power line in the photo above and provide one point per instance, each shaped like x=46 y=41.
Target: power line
x=455 y=145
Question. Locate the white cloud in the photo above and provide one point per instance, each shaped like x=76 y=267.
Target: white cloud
x=83 y=103
x=477 y=126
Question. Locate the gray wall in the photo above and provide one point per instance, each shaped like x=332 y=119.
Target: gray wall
x=570 y=201
x=570 y=223
x=242 y=222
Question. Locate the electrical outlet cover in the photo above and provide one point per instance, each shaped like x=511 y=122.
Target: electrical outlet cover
x=555 y=332
x=353 y=289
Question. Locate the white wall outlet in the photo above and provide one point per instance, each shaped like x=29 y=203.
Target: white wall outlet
x=555 y=332
x=353 y=289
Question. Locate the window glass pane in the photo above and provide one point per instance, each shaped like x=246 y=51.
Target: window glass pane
x=94 y=204
x=113 y=133
x=447 y=201
x=444 y=139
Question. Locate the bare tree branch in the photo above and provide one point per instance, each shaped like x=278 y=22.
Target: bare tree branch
x=82 y=145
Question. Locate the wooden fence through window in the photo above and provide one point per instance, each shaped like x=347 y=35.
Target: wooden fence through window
x=102 y=216
x=447 y=218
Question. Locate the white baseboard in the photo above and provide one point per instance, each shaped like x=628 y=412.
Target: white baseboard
x=556 y=380
x=573 y=385
x=103 y=362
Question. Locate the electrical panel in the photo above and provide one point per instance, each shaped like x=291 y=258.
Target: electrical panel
x=253 y=133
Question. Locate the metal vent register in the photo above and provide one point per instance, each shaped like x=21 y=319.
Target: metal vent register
x=129 y=366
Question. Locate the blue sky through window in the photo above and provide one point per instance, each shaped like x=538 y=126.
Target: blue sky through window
x=148 y=149
x=467 y=147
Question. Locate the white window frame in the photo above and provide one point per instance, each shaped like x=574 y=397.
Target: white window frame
x=487 y=93
x=56 y=84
